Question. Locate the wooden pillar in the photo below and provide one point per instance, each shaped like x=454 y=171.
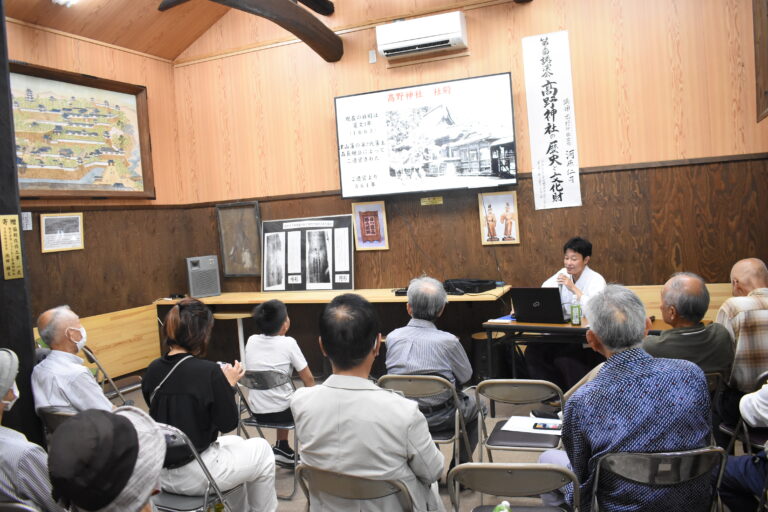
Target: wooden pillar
x=15 y=313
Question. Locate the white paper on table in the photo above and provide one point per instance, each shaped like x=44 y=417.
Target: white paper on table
x=525 y=424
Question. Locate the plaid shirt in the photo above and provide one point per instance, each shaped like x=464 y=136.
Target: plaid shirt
x=746 y=318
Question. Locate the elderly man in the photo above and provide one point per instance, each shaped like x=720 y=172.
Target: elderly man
x=421 y=348
x=745 y=316
x=636 y=403
x=684 y=301
x=23 y=465
x=60 y=382
x=350 y=425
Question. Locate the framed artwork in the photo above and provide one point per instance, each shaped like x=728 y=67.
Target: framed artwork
x=240 y=236
x=61 y=232
x=79 y=136
x=308 y=254
x=438 y=136
x=370 y=221
x=499 y=222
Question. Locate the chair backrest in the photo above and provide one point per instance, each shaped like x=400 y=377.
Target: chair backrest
x=266 y=379
x=351 y=487
x=761 y=380
x=52 y=419
x=513 y=479
x=661 y=469
x=417 y=386
x=713 y=381
x=519 y=391
x=16 y=507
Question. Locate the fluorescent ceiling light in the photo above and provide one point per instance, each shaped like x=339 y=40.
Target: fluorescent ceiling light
x=67 y=3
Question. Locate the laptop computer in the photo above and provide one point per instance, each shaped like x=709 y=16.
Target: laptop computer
x=538 y=305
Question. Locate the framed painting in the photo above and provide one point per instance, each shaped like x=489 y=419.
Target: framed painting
x=370 y=221
x=499 y=222
x=61 y=232
x=240 y=236
x=79 y=136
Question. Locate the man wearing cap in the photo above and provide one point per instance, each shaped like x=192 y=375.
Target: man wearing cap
x=61 y=382
x=105 y=462
x=23 y=465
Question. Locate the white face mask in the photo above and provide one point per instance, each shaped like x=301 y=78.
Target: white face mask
x=7 y=404
x=80 y=344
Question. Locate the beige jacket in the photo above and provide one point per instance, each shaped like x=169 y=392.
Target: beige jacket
x=352 y=426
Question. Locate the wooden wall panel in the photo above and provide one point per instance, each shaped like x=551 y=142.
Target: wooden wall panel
x=644 y=224
x=58 y=51
x=654 y=81
x=134 y=24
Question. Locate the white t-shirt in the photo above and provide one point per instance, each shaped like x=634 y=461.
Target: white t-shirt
x=590 y=283
x=278 y=353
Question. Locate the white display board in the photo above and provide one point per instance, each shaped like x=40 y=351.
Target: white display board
x=307 y=254
x=455 y=134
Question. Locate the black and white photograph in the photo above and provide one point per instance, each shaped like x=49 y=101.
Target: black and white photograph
x=240 y=237
x=455 y=134
x=316 y=253
x=61 y=232
x=274 y=261
x=319 y=258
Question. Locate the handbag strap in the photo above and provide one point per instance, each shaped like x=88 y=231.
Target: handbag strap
x=154 y=392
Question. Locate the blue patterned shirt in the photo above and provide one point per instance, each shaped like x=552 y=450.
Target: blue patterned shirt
x=638 y=403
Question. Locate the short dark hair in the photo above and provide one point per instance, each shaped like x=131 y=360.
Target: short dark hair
x=579 y=245
x=269 y=316
x=348 y=327
x=188 y=325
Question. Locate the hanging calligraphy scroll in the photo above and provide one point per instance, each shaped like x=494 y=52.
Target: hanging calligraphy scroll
x=551 y=121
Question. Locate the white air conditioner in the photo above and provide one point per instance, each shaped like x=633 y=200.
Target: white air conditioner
x=422 y=35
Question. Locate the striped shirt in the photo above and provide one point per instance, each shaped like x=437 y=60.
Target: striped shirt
x=746 y=319
x=62 y=383
x=421 y=348
x=24 y=472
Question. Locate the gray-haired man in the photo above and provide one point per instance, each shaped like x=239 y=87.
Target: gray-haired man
x=636 y=403
x=684 y=301
x=421 y=349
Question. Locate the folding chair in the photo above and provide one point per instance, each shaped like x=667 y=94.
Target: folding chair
x=714 y=381
x=169 y=502
x=351 y=487
x=511 y=480
x=52 y=419
x=516 y=392
x=751 y=437
x=663 y=470
x=116 y=390
x=423 y=386
x=763 y=505
x=262 y=380
x=16 y=507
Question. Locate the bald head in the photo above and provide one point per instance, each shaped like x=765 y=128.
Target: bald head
x=684 y=299
x=747 y=275
x=53 y=325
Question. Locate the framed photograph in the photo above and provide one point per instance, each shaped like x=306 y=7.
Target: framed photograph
x=240 y=236
x=437 y=136
x=370 y=221
x=308 y=254
x=61 y=231
x=80 y=136
x=499 y=222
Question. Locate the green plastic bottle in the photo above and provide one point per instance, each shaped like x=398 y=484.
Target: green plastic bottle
x=503 y=507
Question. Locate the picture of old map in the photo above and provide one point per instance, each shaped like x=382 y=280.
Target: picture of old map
x=71 y=137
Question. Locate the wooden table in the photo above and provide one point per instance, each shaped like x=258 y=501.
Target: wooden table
x=375 y=295
x=523 y=333
x=463 y=316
